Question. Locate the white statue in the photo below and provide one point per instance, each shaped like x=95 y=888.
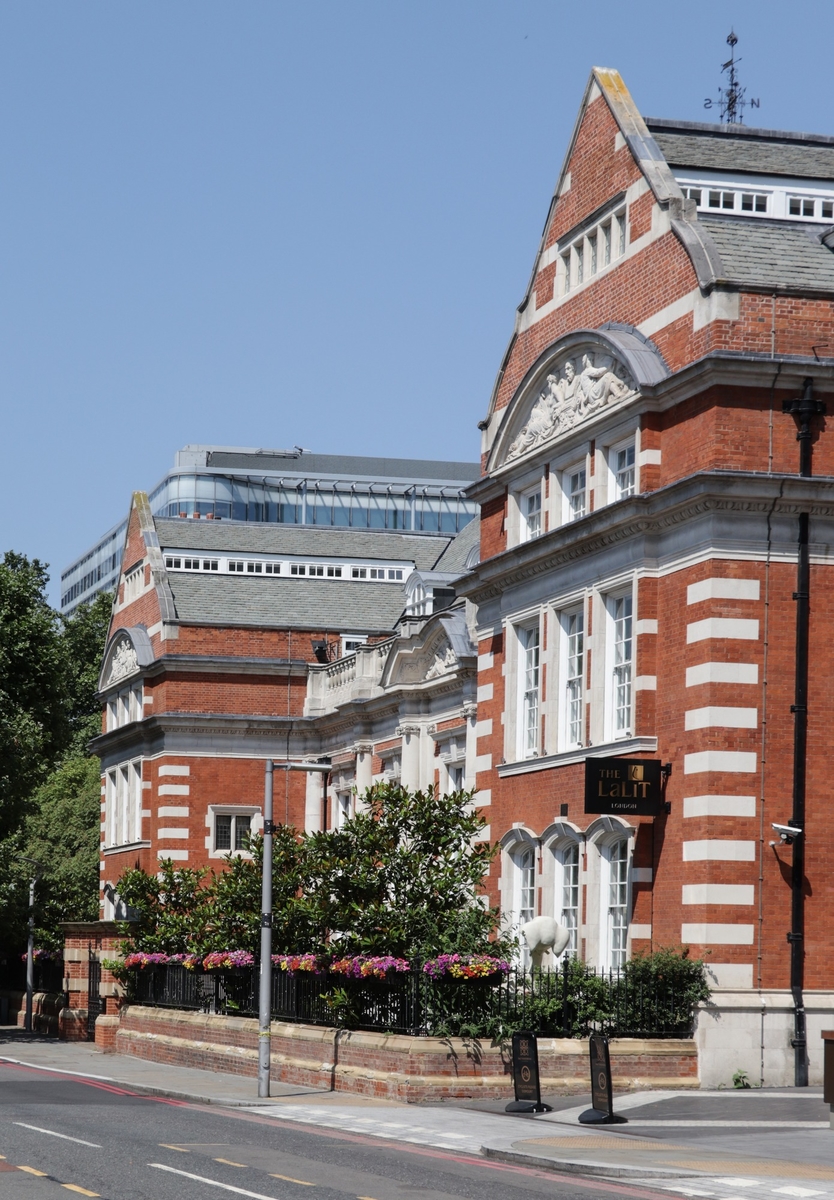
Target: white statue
x=543 y=934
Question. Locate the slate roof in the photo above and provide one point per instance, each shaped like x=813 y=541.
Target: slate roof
x=410 y=470
x=758 y=152
x=313 y=604
x=772 y=254
x=252 y=537
x=453 y=558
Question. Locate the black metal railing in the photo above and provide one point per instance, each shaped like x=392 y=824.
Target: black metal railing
x=48 y=974
x=570 y=1002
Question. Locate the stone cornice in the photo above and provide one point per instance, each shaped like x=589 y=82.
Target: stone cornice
x=632 y=745
x=133 y=738
x=674 y=505
x=228 y=664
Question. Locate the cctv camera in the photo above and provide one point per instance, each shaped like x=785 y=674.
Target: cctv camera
x=788 y=833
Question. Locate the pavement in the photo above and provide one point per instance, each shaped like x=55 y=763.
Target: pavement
x=722 y=1144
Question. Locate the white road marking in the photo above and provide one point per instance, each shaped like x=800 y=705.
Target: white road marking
x=53 y=1133
x=697 y=1124
x=731 y=1181
x=227 y=1187
x=795 y=1191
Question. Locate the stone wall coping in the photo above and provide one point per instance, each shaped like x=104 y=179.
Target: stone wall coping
x=755 y=1001
x=403 y=1044
x=92 y=928
x=359 y=1078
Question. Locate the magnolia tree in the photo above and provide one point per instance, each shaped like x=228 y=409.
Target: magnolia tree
x=402 y=877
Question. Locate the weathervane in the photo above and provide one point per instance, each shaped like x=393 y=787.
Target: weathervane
x=731 y=101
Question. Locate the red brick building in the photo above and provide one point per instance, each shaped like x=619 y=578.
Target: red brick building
x=636 y=594
x=641 y=506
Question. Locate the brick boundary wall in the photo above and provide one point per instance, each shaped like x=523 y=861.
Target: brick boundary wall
x=387 y=1066
x=47 y=1008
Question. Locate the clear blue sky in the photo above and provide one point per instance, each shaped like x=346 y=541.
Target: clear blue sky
x=270 y=223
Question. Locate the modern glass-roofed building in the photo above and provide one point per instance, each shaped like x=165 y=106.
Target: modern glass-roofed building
x=289 y=487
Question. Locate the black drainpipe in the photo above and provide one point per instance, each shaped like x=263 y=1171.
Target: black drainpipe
x=803 y=409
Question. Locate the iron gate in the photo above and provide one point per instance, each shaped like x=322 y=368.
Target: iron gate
x=94 y=1002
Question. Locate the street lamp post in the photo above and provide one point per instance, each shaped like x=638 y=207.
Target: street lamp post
x=30 y=946
x=265 y=992
x=265 y=997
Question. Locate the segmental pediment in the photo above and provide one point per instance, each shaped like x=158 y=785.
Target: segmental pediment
x=577 y=387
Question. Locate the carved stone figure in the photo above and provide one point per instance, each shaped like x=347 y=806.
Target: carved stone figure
x=568 y=398
x=543 y=934
x=442 y=663
x=124 y=661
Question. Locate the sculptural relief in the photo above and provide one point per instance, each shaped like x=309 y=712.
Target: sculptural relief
x=443 y=662
x=569 y=397
x=124 y=661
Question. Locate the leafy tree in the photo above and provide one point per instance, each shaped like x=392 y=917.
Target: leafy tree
x=33 y=727
x=173 y=909
x=63 y=834
x=237 y=896
x=49 y=787
x=83 y=638
x=403 y=876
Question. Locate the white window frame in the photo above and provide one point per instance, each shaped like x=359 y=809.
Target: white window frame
x=392 y=764
x=615 y=900
x=529 y=680
x=342 y=808
x=569 y=512
x=455 y=776
x=531 y=512
x=248 y=812
x=350 y=642
x=125 y=706
x=521 y=873
x=518 y=529
x=567 y=889
x=584 y=257
x=620 y=610
x=123 y=804
x=616 y=491
x=567 y=677
x=134 y=583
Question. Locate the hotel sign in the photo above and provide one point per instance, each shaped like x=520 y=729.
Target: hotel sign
x=623 y=786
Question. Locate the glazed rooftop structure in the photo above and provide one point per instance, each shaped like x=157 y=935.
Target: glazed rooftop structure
x=288 y=487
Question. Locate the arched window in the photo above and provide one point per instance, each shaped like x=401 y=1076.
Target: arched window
x=618 y=903
x=526 y=885
x=568 y=903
